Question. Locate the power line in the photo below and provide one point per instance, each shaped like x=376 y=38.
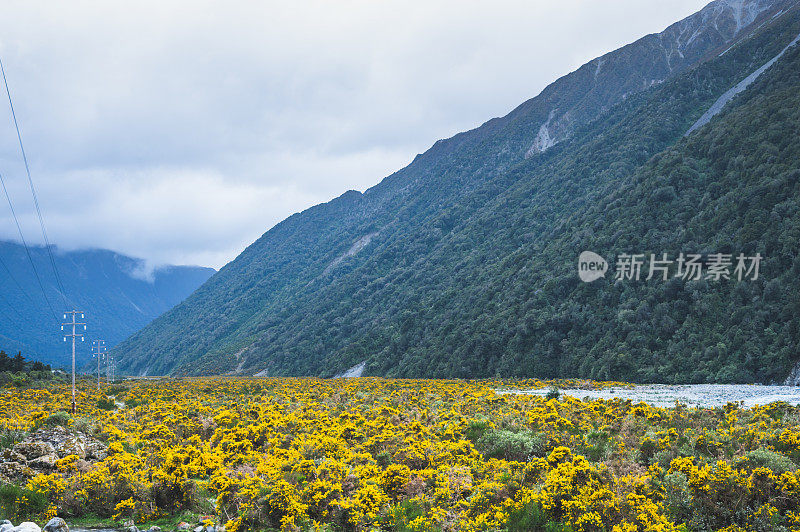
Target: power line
x=33 y=189
x=27 y=249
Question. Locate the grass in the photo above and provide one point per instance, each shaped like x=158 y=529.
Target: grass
x=9 y=437
x=18 y=503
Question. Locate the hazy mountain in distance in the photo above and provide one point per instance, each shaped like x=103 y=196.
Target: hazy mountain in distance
x=117 y=293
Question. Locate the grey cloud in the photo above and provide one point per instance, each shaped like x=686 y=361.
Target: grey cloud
x=180 y=131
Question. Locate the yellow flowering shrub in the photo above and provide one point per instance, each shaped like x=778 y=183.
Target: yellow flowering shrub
x=372 y=454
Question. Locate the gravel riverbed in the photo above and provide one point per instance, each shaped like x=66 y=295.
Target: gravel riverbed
x=698 y=395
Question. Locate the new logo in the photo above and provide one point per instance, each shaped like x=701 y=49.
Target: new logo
x=591 y=266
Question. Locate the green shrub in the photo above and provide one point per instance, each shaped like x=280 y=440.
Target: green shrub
x=9 y=437
x=553 y=394
x=647 y=450
x=508 y=445
x=60 y=418
x=403 y=513
x=115 y=389
x=532 y=518
x=663 y=458
x=476 y=429
x=383 y=459
x=17 y=503
x=133 y=402
x=596 y=447
x=677 y=497
x=87 y=425
x=761 y=457
x=106 y=404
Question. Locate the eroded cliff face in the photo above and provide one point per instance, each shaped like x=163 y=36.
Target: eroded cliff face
x=794 y=377
x=613 y=77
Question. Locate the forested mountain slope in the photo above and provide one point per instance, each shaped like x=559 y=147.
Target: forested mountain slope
x=464 y=263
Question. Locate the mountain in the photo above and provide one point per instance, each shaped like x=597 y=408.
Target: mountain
x=464 y=263
x=117 y=293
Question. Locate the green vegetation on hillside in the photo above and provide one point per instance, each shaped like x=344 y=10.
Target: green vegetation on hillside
x=16 y=371
x=471 y=271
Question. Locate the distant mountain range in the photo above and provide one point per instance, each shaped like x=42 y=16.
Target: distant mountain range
x=117 y=293
x=464 y=263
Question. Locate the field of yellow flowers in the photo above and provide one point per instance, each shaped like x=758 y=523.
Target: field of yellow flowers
x=372 y=454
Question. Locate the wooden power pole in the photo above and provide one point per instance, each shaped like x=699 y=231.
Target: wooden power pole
x=74 y=324
x=99 y=349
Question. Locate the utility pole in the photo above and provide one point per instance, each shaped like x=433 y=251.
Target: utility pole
x=99 y=348
x=74 y=324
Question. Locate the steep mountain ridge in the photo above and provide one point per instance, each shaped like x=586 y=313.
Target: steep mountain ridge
x=652 y=58
x=445 y=284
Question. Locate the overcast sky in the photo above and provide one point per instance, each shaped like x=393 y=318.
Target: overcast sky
x=179 y=132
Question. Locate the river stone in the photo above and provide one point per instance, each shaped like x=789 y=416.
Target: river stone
x=154 y=529
x=27 y=526
x=56 y=524
x=34 y=449
x=6 y=526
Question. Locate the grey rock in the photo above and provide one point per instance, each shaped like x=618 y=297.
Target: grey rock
x=183 y=525
x=199 y=528
x=27 y=526
x=95 y=450
x=154 y=529
x=63 y=443
x=73 y=445
x=794 y=377
x=10 y=455
x=34 y=449
x=6 y=526
x=56 y=524
x=47 y=461
x=15 y=470
x=132 y=528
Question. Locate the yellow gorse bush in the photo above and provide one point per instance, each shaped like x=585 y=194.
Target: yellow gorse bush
x=374 y=454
